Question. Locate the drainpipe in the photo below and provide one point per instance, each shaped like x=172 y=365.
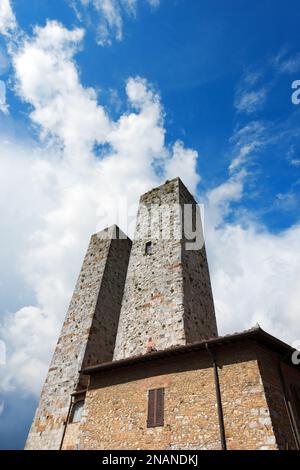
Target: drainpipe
x=219 y=399
x=288 y=406
x=66 y=423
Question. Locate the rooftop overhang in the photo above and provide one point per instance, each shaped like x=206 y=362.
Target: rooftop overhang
x=256 y=334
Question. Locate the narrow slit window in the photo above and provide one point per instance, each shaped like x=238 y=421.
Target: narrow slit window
x=148 y=248
x=156 y=399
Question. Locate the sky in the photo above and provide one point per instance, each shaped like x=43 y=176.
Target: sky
x=101 y=100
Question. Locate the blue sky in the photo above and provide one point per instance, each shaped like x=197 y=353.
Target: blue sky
x=199 y=89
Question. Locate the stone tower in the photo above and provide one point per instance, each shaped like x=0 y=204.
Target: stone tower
x=87 y=336
x=167 y=298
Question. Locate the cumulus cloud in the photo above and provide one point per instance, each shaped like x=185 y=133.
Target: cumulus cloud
x=255 y=273
x=110 y=16
x=183 y=162
x=47 y=78
x=7 y=18
x=256 y=277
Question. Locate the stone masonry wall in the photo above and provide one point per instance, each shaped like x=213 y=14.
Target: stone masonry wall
x=167 y=293
x=115 y=413
x=199 y=313
x=246 y=412
x=116 y=406
x=274 y=391
x=87 y=336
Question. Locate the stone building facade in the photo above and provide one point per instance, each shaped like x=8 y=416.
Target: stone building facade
x=253 y=403
x=139 y=363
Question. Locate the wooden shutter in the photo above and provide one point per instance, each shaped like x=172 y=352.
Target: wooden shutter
x=151 y=408
x=160 y=398
x=155 y=407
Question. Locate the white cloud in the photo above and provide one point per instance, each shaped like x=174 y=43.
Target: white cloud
x=292 y=157
x=183 y=162
x=154 y=3
x=220 y=198
x=291 y=65
x=3 y=104
x=31 y=330
x=255 y=278
x=110 y=16
x=4 y=62
x=285 y=62
x=47 y=78
x=247 y=140
x=255 y=273
x=295 y=162
x=249 y=101
x=7 y=18
x=255 y=84
x=286 y=201
x=110 y=20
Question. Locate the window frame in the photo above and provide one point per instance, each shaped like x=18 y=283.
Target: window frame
x=74 y=408
x=156 y=408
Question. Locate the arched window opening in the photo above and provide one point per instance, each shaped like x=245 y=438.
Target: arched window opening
x=77 y=411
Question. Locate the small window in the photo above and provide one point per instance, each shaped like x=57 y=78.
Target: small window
x=77 y=411
x=156 y=408
x=148 y=248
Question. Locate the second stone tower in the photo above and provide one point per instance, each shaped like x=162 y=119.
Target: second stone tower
x=167 y=299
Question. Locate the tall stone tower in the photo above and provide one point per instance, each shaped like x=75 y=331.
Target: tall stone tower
x=87 y=336
x=167 y=298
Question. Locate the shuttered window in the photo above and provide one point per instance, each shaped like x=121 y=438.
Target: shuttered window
x=156 y=407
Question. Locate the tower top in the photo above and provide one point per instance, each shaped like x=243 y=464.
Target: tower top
x=167 y=298
x=111 y=232
x=168 y=187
